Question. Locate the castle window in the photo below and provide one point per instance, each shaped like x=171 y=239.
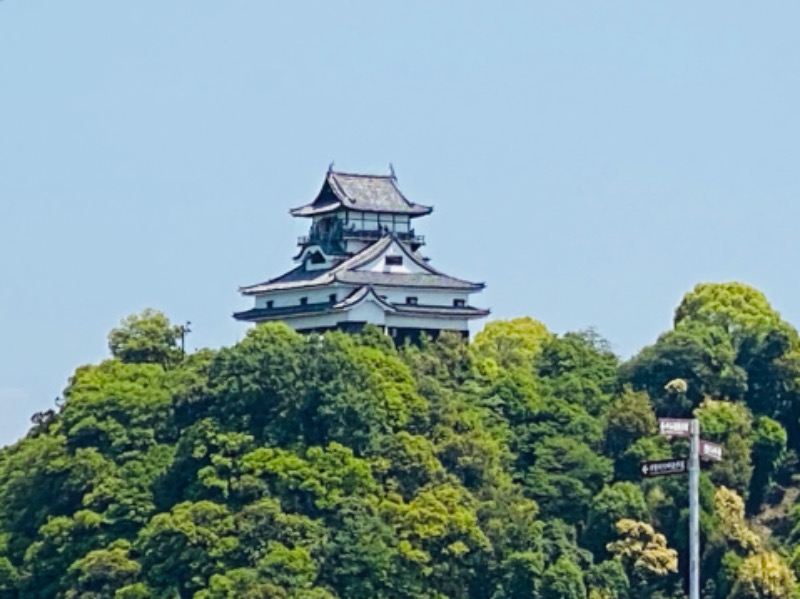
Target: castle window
x=394 y=260
x=270 y=304
x=412 y=301
x=303 y=301
x=332 y=298
x=459 y=303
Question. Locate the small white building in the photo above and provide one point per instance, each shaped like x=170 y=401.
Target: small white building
x=359 y=264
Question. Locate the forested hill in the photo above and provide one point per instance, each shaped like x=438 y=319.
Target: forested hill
x=318 y=467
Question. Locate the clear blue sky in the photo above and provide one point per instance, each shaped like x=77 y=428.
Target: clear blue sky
x=591 y=161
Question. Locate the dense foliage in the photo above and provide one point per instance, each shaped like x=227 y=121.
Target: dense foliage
x=329 y=466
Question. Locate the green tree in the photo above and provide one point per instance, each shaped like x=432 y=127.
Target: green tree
x=730 y=424
x=181 y=550
x=9 y=579
x=146 y=338
x=508 y=345
x=769 y=443
x=771 y=359
x=701 y=355
x=764 y=576
x=522 y=574
x=362 y=556
x=315 y=467
x=766 y=348
x=102 y=573
x=622 y=500
x=579 y=368
x=409 y=462
x=607 y=580
x=563 y=580
x=629 y=418
x=729 y=508
x=263 y=523
x=737 y=308
x=644 y=554
x=566 y=475
x=60 y=542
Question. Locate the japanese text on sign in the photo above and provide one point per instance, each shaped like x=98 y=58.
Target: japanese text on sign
x=674 y=427
x=710 y=450
x=663 y=467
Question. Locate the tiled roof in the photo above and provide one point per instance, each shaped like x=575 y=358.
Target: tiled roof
x=364 y=193
x=345 y=272
x=465 y=311
x=281 y=312
x=360 y=295
x=300 y=277
x=380 y=279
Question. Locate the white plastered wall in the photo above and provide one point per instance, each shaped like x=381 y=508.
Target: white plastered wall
x=282 y=299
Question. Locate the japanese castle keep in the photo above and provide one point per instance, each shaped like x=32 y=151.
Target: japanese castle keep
x=361 y=263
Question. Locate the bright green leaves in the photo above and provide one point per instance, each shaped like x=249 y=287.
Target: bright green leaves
x=9 y=579
x=729 y=508
x=764 y=576
x=408 y=463
x=102 y=573
x=507 y=345
x=286 y=389
x=182 y=549
x=319 y=480
x=146 y=338
x=117 y=408
x=440 y=535
x=644 y=554
x=738 y=309
x=324 y=466
x=607 y=580
x=729 y=424
x=61 y=541
x=728 y=343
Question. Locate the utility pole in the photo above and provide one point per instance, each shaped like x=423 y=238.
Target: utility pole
x=681 y=427
x=694 y=510
x=185 y=330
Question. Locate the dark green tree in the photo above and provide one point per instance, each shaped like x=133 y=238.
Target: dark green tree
x=769 y=443
x=563 y=580
x=612 y=504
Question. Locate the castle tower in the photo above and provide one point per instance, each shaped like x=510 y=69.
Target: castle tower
x=359 y=264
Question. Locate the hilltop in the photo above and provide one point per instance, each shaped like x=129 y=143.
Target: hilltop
x=336 y=465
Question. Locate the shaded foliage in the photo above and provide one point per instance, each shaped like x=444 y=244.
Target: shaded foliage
x=324 y=466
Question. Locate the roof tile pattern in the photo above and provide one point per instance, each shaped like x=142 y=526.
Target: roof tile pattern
x=363 y=193
x=347 y=272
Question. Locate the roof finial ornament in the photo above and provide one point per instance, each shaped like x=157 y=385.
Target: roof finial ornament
x=330 y=167
x=391 y=170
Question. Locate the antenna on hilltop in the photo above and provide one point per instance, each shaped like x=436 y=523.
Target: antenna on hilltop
x=184 y=330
